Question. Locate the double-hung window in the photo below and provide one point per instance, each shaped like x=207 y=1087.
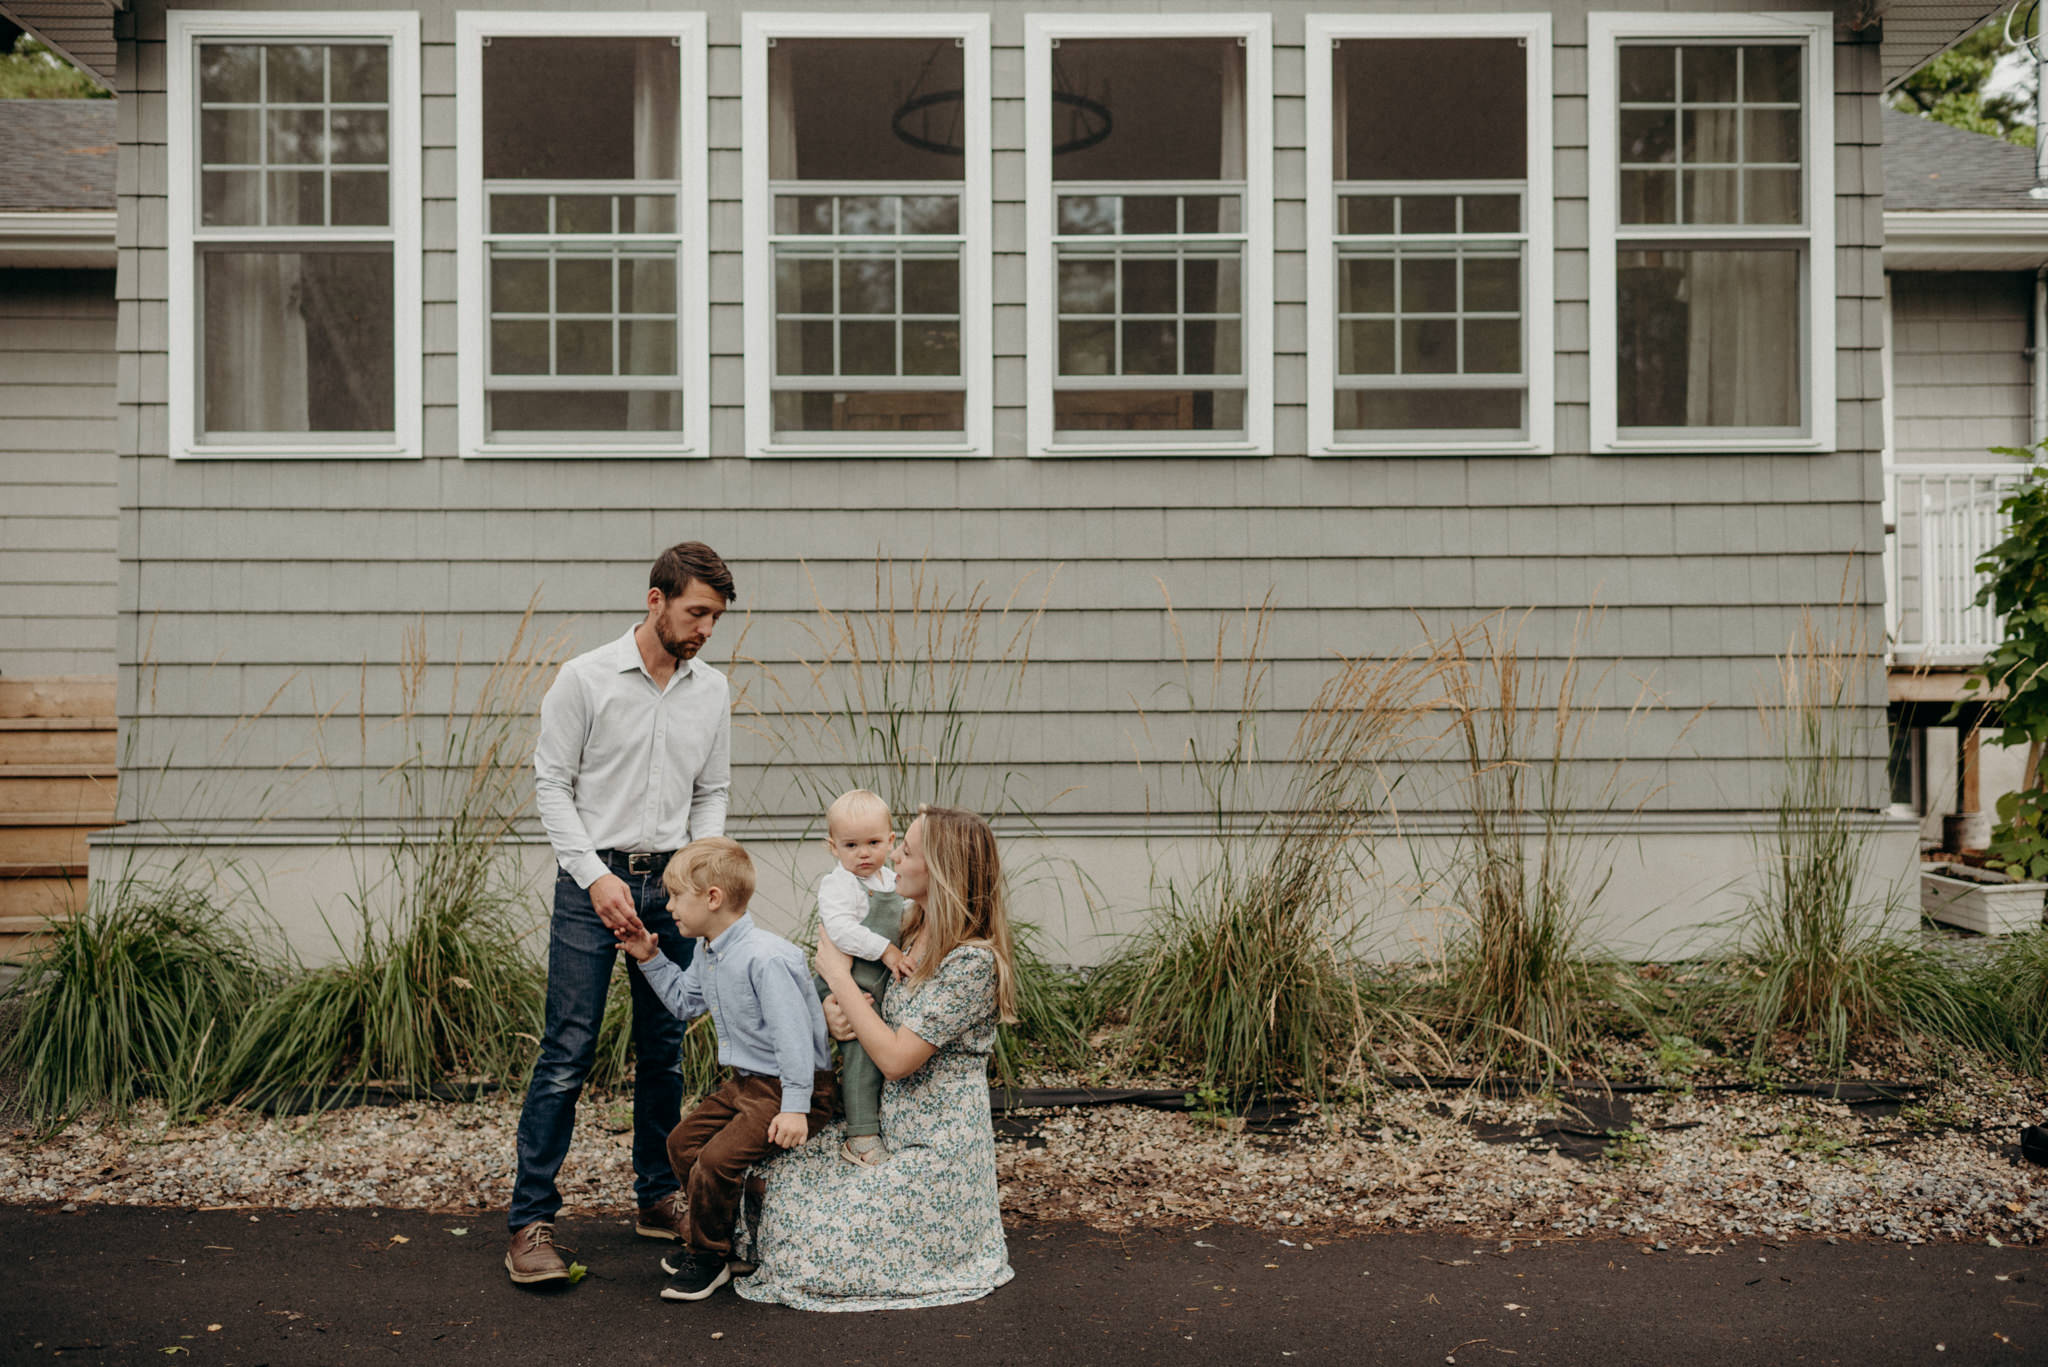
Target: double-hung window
x=1712 y=231
x=1430 y=213
x=867 y=243
x=1150 y=202
x=582 y=234
x=294 y=245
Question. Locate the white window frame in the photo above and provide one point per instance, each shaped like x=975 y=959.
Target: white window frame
x=693 y=315
x=1255 y=32
x=1539 y=305
x=977 y=318
x=184 y=29
x=1604 y=34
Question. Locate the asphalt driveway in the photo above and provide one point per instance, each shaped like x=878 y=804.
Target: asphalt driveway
x=123 y=1285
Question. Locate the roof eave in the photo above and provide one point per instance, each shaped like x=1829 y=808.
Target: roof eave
x=57 y=239
x=1960 y=239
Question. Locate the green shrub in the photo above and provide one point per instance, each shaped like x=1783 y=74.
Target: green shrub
x=2012 y=987
x=137 y=993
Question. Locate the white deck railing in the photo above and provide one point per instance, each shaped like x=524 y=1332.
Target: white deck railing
x=1942 y=518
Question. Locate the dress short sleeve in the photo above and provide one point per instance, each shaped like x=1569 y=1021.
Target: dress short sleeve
x=957 y=998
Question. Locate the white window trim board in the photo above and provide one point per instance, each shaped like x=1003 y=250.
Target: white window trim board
x=1041 y=361
x=1540 y=356
x=693 y=219
x=1604 y=31
x=977 y=280
x=183 y=30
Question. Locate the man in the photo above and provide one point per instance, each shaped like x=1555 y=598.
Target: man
x=633 y=763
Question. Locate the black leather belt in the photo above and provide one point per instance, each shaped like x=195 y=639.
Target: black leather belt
x=636 y=863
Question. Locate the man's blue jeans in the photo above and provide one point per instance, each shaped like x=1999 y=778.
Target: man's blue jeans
x=580 y=956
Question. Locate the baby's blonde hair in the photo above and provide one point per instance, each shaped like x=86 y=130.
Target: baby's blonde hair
x=713 y=862
x=852 y=805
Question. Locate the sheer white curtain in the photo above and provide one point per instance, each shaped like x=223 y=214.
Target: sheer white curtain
x=1233 y=115
x=1742 y=352
x=255 y=343
x=657 y=133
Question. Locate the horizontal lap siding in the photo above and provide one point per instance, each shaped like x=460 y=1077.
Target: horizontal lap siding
x=290 y=586
x=57 y=498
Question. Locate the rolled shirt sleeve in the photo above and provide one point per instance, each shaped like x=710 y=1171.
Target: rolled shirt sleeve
x=711 y=790
x=557 y=759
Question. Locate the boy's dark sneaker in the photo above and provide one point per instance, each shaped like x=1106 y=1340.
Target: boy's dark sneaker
x=662 y=1220
x=533 y=1256
x=696 y=1274
x=672 y=1262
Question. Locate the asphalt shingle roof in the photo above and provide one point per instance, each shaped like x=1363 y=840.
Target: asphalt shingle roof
x=1929 y=165
x=56 y=154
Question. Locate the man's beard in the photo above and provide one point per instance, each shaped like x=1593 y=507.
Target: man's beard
x=681 y=650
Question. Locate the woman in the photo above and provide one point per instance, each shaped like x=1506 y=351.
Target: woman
x=926 y=1227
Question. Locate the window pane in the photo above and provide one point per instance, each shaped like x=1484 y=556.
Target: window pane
x=1771 y=135
x=803 y=285
x=931 y=348
x=297 y=197
x=360 y=135
x=297 y=137
x=867 y=285
x=1709 y=339
x=1429 y=410
x=893 y=410
x=1771 y=75
x=1366 y=286
x=583 y=286
x=1709 y=197
x=1493 y=284
x=1773 y=197
x=1649 y=197
x=1212 y=348
x=296 y=341
x=857 y=109
x=583 y=348
x=867 y=349
x=1429 y=213
x=360 y=199
x=519 y=214
x=583 y=214
x=560 y=108
x=1710 y=135
x=519 y=285
x=231 y=197
x=1167 y=102
x=1161 y=410
x=1403 y=120
x=231 y=135
x=1649 y=74
x=647 y=348
x=804 y=348
x=931 y=286
x=649 y=413
x=1707 y=74
x=1151 y=286
x=1087 y=287
x=647 y=285
x=1649 y=135
x=295 y=74
x=230 y=73
x=1365 y=348
x=519 y=348
x=1493 y=347
x=1429 y=346
x=1429 y=285
x=1366 y=214
x=1088 y=213
x=1087 y=348
x=359 y=74
x=933 y=214
x=1151 y=348
x=1493 y=213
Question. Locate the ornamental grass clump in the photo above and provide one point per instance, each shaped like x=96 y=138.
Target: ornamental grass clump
x=1814 y=953
x=439 y=983
x=1521 y=988
x=2011 y=987
x=137 y=994
x=1245 y=976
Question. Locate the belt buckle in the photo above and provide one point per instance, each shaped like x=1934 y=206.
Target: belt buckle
x=639 y=863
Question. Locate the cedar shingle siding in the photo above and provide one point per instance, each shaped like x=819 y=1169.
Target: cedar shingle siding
x=251 y=583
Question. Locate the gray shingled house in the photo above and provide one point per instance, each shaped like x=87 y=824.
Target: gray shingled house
x=1370 y=310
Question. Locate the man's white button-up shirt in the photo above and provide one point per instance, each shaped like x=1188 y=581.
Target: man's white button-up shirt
x=624 y=764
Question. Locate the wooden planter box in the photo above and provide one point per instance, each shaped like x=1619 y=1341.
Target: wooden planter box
x=1980 y=900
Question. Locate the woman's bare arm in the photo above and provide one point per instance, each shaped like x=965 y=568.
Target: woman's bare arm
x=896 y=1049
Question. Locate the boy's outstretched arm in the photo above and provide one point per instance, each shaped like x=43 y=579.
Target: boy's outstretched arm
x=678 y=988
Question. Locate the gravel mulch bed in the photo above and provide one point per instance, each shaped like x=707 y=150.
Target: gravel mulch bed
x=1690 y=1171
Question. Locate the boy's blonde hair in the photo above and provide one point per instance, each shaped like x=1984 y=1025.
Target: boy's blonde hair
x=852 y=805
x=713 y=862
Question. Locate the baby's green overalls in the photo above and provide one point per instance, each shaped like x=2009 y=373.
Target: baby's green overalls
x=860 y=1081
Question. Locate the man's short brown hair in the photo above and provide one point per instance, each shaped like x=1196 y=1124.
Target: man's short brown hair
x=713 y=862
x=675 y=567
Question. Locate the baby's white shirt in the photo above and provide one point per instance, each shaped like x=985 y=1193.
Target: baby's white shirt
x=843 y=906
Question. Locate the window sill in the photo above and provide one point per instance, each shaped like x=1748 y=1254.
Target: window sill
x=1096 y=450
x=874 y=450
x=1339 y=450
x=1708 y=443
x=560 y=451
x=328 y=451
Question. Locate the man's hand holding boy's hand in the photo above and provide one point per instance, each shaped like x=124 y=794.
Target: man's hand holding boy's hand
x=789 y=1129
x=642 y=946
x=897 y=962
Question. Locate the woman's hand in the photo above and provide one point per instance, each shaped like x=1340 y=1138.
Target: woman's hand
x=837 y=1023
x=834 y=965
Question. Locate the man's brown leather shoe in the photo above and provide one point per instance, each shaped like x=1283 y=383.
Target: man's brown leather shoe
x=662 y=1220
x=533 y=1256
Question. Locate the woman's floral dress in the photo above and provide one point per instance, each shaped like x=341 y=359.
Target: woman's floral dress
x=926 y=1227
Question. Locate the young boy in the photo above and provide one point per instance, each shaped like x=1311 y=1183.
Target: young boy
x=860 y=912
x=771 y=1033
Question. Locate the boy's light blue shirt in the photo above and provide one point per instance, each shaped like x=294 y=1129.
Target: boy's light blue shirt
x=758 y=990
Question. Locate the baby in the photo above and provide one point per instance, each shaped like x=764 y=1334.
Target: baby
x=861 y=913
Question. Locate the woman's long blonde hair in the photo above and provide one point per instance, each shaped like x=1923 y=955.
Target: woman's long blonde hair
x=964 y=903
